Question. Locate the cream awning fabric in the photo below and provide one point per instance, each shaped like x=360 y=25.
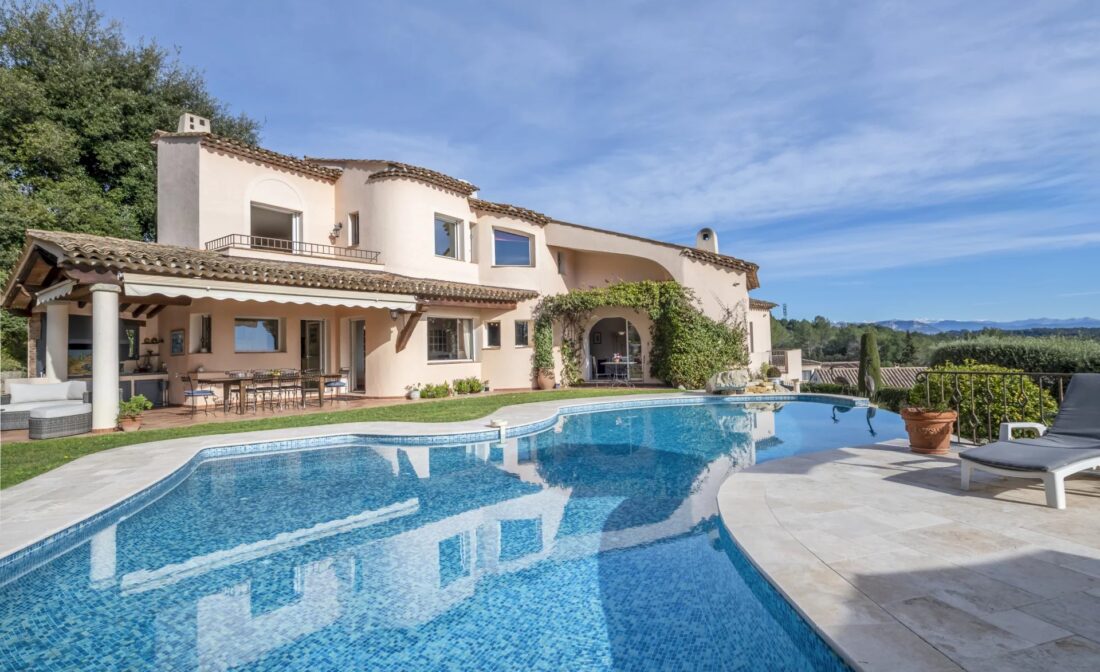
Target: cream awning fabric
x=137 y=285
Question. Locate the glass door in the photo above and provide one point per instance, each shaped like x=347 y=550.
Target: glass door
x=313 y=345
x=358 y=356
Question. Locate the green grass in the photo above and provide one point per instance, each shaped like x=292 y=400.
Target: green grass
x=26 y=459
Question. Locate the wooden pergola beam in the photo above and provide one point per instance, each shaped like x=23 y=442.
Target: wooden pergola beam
x=406 y=331
x=156 y=311
x=141 y=309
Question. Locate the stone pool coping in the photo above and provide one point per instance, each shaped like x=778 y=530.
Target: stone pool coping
x=66 y=505
x=899 y=569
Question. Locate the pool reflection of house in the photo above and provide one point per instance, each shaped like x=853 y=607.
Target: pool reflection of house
x=445 y=519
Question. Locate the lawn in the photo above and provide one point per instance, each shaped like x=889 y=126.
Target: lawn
x=20 y=461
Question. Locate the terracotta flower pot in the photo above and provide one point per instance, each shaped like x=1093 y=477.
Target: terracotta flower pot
x=929 y=431
x=546 y=380
x=130 y=424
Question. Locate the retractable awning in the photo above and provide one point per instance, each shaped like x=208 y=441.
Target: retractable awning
x=138 y=285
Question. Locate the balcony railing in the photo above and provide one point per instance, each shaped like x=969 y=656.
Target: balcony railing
x=292 y=247
x=985 y=399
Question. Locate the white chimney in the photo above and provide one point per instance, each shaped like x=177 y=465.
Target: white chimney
x=707 y=240
x=192 y=123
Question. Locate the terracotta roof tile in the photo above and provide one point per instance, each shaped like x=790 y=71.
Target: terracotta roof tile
x=892 y=376
x=760 y=304
x=116 y=254
x=746 y=267
x=509 y=210
x=404 y=171
x=244 y=150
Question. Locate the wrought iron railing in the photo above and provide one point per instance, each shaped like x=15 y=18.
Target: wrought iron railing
x=292 y=247
x=985 y=399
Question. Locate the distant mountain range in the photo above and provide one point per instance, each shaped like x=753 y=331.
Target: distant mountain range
x=940 y=326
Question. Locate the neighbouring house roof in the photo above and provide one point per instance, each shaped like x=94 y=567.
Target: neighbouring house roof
x=760 y=304
x=892 y=376
x=747 y=267
x=509 y=210
x=219 y=143
x=81 y=251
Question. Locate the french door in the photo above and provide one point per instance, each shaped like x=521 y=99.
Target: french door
x=313 y=344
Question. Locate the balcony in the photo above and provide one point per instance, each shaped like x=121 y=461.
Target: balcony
x=241 y=241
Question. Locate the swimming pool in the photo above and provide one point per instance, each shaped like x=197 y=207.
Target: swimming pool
x=593 y=544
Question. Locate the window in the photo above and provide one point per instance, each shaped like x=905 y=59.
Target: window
x=252 y=334
x=449 y=339
x=511 y=249
x=523 y=333
x=200 y=334
x=353 y=228
x=492 y=334
x=448 y=237
x=274 y=228
x=561 y=262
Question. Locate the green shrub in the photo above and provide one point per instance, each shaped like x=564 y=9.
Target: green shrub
x=433 y=391
x=470 y=385
x=827 y=388
x=893 y=398
x=984 y=402
x=1039 y=355
x=773 y=372
x=869 y=367
x=133 y=407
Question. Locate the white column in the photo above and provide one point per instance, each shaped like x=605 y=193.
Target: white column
x=104 y=356
x=57 y=341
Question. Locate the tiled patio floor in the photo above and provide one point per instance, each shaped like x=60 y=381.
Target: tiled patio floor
x=903 y=570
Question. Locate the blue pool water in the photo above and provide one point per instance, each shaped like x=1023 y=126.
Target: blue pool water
x=592 y=545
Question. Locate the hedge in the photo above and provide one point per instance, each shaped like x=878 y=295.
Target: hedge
x=1045 y=355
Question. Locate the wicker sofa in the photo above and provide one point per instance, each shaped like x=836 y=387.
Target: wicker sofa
x=23 y=398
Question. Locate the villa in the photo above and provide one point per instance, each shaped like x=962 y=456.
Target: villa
x=389 y=273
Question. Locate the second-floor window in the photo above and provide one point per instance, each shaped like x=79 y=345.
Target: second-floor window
x=448 y=237
x=512 y=249
x=353 y=228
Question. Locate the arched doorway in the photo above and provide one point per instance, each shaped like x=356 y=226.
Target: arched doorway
x=614 y=347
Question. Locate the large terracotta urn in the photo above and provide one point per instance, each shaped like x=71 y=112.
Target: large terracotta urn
x=545 y=379
x=929 y=431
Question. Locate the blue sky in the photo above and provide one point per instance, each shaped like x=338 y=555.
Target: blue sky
x=878 y=160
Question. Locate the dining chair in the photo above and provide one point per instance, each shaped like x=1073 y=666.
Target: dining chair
x=288 y=381
x=310 y=385
x=196 y=391
x=264 y=389
x=597 y=373
x=337 y=387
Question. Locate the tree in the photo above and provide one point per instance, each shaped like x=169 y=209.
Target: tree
x=870 y=374
x=909 y=350
x=78 y=107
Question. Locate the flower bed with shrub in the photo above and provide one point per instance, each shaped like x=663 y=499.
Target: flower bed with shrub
x=433 y=391
x=471 y=385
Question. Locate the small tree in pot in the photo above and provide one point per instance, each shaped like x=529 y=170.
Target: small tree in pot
x=544 y=354
x=870 y=370
x=129 y=412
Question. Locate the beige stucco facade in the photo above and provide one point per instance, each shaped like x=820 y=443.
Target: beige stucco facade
x=210 y=189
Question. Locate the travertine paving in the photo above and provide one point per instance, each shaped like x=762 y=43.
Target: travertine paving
x=901 y=570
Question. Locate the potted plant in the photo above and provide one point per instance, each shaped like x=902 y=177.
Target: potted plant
x=484 y=386
x=773 y=374
x=929 y=427
x=129 y=412
x=412 y=391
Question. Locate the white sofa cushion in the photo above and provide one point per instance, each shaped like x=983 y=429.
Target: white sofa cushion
x=30 y=392
x=63 y=411
x=31 y=405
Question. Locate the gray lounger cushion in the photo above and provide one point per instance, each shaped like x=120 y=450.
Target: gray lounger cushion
x=1029 y=455
x=1073 y=436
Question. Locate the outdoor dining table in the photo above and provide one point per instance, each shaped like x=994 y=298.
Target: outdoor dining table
x=619 y=371
x=227 y=383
